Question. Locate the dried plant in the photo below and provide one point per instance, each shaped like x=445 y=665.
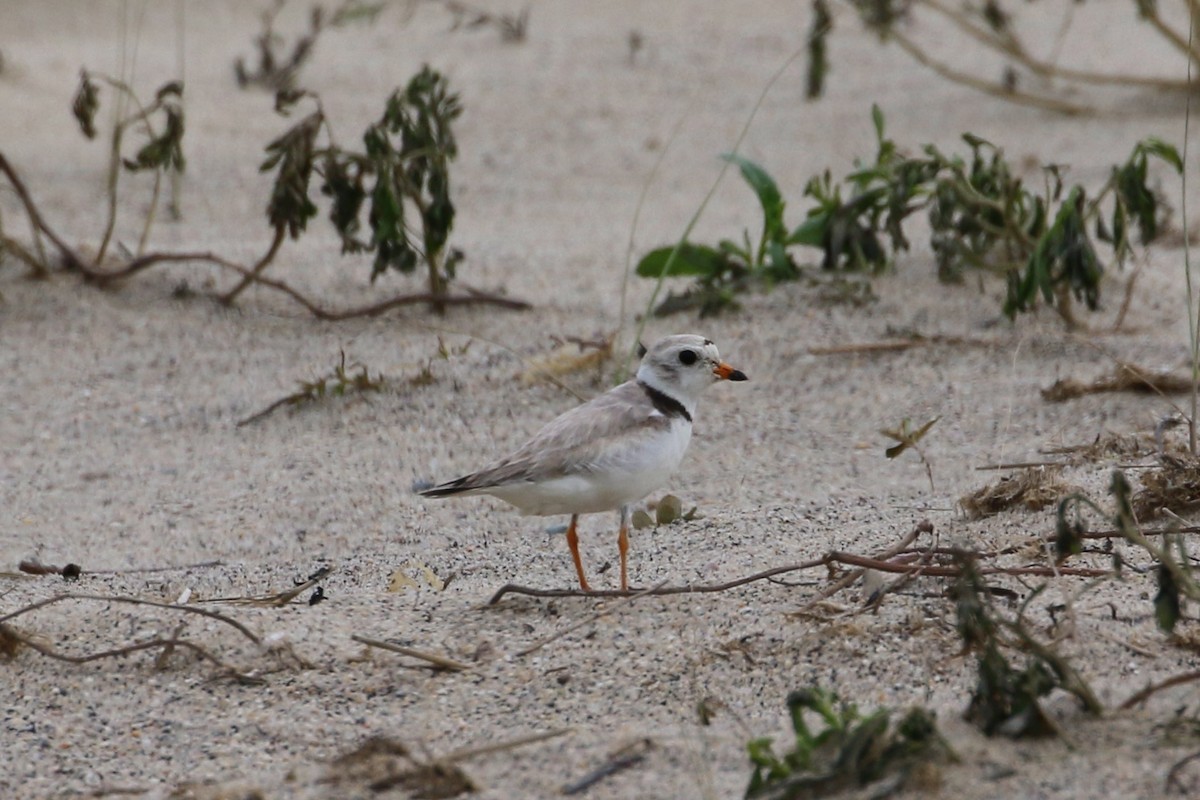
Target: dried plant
x=1026 y=78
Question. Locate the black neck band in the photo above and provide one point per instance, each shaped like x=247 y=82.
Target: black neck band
x=664 y=403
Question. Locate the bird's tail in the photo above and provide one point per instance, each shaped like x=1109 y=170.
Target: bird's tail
x=449 y=488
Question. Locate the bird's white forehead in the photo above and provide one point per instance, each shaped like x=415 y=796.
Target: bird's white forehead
x=669 y=345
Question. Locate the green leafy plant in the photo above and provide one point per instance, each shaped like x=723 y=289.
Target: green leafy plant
x=401 y=179
x=847 y=750
x=981 y=215
x=730 y=267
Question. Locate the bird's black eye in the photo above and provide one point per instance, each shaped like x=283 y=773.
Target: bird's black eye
x=687 y=357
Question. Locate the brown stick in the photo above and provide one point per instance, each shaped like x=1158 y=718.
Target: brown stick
x=71 y=258
x=1144 y=694
x=1173 y=781
x=256 y=271
x=472 y=296
x=438 y=661
x=242 y=629
x=626 y=757
x=117 y=652
x=890 y=553
x=835 y=557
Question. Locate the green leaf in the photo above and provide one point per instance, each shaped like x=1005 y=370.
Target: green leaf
x=769 y=196
x=86 y=104
x=1154 y=146
x=811 y=232
x=878 y=120
x=1167 y=609
x=164 y=151
x=292 y=153
x=694 y=260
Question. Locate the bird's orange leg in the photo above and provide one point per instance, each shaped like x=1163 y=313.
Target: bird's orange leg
x=623 y=546
x=573 y=543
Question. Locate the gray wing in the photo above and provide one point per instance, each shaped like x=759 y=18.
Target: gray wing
x=576 y=440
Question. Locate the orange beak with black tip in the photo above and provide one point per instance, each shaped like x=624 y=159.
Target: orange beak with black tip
x=728 y=373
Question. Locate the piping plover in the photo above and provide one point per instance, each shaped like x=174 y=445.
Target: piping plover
x=611 y=451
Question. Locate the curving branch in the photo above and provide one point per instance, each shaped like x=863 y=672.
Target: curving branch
x=91 y=271
x=897 y=560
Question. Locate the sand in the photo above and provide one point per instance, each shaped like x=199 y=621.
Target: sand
x=121 y=450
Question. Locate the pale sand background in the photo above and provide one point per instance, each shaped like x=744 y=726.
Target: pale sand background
x=120 y=451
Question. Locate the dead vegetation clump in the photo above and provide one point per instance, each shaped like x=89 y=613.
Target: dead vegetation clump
x=1124 y=378
x=384 y=764
x=1032 y=489
x=1173 y=486
x=1107 y=446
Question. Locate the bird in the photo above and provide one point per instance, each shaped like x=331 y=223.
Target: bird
x=610 y=452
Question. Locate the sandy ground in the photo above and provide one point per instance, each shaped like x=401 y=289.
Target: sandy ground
x=120 y=450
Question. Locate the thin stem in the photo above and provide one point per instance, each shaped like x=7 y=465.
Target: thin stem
x=472 y=296
x=124 y=92
x=623 y=369
x=1011 y=46
x=687 y=230
x=1173 y=36
x=114 y=174
x=72 y=259
x=151 y=213
x=255 y=273
x=1193 y=323
x=988 y=87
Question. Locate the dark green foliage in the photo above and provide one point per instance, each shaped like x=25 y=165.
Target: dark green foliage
x=1168 y=607
x=981 y=216
x=401 y=178
x=731 y=267
x=881 y=15
x=291 y=155
x=1134 y=202
x=848 y=750
x=164 y=151
x=86 y=104
x=818 y=60
x=416 y=167
x=996 y=17
x=1063 y=259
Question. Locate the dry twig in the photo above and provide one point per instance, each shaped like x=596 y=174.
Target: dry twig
x=622 y=759
x=1175 y=680
x=11 y=639
x=437 y=661
x=280 y=598
x=903 y=564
